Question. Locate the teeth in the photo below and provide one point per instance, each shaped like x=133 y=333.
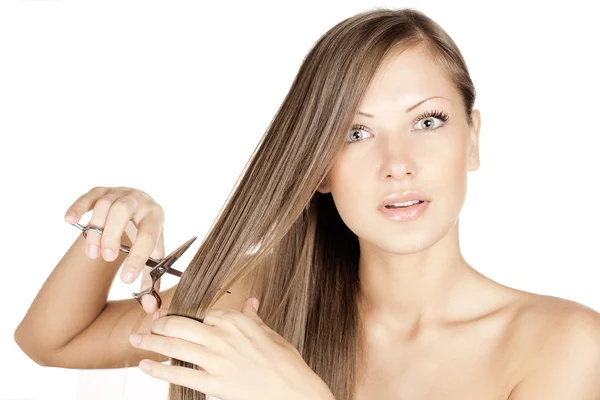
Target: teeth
x=408 y=203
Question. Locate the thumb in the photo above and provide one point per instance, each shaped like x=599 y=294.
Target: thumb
x=251 y=304
x=251 y=310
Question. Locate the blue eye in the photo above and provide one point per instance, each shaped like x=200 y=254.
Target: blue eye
x=427 y=116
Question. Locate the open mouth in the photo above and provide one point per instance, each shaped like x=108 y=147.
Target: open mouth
x=399 y=205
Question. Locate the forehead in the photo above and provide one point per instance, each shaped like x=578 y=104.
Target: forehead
x=405 y=78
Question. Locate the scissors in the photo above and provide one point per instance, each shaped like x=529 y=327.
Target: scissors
x=159 y=267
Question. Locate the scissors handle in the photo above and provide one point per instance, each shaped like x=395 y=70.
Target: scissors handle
x=151 y=291
x=155 y=273
x=159 y=267
x=152 y=262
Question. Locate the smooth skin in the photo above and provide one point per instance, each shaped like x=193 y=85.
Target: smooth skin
x=436 y=327
x=113 y=209
x=240 y=357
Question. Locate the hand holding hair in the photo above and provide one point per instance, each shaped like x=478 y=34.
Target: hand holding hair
x=239 y=355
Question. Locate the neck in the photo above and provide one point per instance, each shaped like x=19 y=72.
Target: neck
x=419 y=286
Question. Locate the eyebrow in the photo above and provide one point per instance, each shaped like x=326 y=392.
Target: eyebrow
x=409 y=109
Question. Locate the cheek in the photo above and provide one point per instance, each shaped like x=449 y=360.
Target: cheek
x=443 y=177
x=451 y=185
x=351 y=191
x=356 y=216
x=453 y=170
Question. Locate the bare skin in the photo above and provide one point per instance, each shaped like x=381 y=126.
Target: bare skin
x=435 y=327
x=463 y=358
x=482 y=356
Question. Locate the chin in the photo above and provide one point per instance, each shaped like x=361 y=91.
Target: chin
x=406 y=244
x=414 y=239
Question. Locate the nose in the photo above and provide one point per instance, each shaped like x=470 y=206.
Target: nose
x=398 y=158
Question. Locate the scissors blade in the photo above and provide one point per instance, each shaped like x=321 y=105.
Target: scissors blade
x=164 y=266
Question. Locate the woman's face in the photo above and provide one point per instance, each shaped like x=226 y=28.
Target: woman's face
x=395 y=153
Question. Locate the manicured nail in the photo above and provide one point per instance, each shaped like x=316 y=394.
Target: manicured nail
x=127 y=275
x=108 y=255
x=92 y=251
x=147 y=302
x=135 y=338
x=145 y=365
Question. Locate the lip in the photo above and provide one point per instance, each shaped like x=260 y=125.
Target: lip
x=405 y=214
x=404 y=197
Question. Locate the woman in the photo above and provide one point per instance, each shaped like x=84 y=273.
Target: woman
x=345 y=227
x=335 y=264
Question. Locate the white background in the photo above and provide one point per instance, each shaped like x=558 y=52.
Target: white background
x=172 y=97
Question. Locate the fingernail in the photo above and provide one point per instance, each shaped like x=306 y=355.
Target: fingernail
x=147 y=302
x=92 y=251
x=145 y=365
x=135 y=338
x=127 y=275
x=108 y=254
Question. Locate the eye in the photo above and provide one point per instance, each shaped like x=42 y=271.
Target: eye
x=430 y=115
x=356 y=129
x=427 y=117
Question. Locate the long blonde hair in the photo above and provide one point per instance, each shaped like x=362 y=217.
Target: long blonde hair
x=276 y=226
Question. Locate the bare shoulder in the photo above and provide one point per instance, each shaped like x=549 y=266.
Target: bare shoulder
x=554 y=318
x=554 y=337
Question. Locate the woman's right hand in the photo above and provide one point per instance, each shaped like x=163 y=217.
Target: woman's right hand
x=115 y=208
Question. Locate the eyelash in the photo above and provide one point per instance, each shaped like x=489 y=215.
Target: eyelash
x=434 y=113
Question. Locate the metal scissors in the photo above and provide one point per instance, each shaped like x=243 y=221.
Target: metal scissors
x=159 y=267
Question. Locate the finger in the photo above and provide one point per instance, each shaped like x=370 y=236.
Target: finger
x=159 y=251
x=185 y=328
x=230 y=321
x=173 y=347
x=160 y=313
x=119 y=214
x=84 y=203
x=145 y=242
x=253 y=301
x=191 y=378
x=101 y=209
x=81 y=206
x=249 y=310
x=148 y=301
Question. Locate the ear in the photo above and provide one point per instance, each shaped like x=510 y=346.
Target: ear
x=324 y=186
x=473 y=150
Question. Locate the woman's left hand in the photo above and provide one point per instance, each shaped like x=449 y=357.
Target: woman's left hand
x=240 y=356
